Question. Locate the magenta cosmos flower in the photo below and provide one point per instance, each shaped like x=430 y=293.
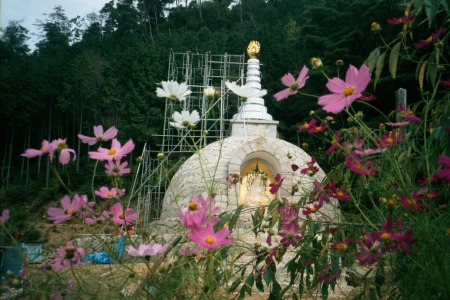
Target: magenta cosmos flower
x=292 y=84
x=106 y=193
x=100 y=136
x=5 y=216
x=116 y=168
x=69 y=207
x=46 y=148
x=431 y=38
x=353 y=163
x=115 y=152
x=209 y=239
x=275 y=186
x=147 y=250
x=121 y=216
x=67 y=256
x=345 y=92
x=402 y=20
x=444 y=173
x=290 y=234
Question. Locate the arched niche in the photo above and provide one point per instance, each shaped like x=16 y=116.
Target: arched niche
x=257 y=171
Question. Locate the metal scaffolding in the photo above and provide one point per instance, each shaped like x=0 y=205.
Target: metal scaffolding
x=198 y=71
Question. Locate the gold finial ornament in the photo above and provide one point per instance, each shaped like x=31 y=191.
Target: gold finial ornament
x=253 y=49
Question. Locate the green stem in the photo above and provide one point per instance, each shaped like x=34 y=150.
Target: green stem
x=52 y=167
x=93 y=178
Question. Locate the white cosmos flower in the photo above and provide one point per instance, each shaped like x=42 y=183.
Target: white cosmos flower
x=185 y=119
x=173 y=90
x=245 y=91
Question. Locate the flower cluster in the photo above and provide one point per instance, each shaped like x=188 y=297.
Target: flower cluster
x=199 y=217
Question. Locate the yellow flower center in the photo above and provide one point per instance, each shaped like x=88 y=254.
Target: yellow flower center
x=389 y=140
x=339 y=193
x=294 y=86
x=360 y=167
x=70 y=253
x=348 y=91
x=110 y=195
x=385 y=236
x=42 y=149
x=62 y=145
x=313 y=209
x=193 y=206
x=318 y=128
x=70 y=211
x=334 y=141
x=430 y=39
x=210 y=240
x=121 y=216
x=341 y=247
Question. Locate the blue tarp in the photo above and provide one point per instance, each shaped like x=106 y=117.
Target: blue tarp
x=105 y=257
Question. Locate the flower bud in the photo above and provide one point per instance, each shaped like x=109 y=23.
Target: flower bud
x=160 y=155
x=316 y=63
x=339 y=62
x=375 y=27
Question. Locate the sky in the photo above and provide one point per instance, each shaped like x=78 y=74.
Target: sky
x=31 y=10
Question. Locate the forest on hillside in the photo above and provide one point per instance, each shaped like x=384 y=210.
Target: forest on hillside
x=103 y=68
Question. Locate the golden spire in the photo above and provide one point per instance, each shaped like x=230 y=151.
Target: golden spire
x=253 y=49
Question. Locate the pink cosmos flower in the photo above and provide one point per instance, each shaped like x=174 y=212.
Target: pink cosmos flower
x=367 y=98
x=334 y=142
x=339 y=193
x=341 y=246
x=106 y=193
x=403 y=20
x=100 y=219
x=392 y=138
x=147 y=250
x=121 y=216
x=304 y=127
x=46 y=148
x=345 y=92
x=313 y=128
x=445 y=172
x=60 y=146
x=5 y=216
x=275 y=186
x=353 y=163
x=69 y=207
x=312 y=209
x=320 y=193
x=290 y=233
x=370 y=251
x=209 y=239
x=431 y=38
x=115 y=152
x=311 y=168
x=288 y=213
x=100 y=136
x=116 y=168
x=412 y=202
x=445 y=82
x=392 y=238
x=189 y=251
x=67 y=256
x=328 y=275
x=408 y=115
x=292 y=84
x=198 y=212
